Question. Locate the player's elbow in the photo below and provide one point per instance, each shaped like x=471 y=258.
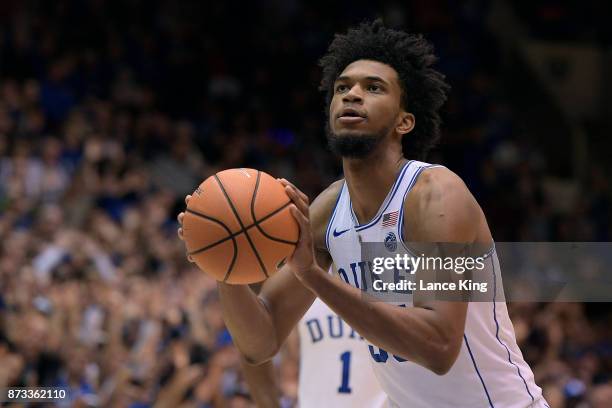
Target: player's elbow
x=264 y=345
x=443 y=359
x=441 y=367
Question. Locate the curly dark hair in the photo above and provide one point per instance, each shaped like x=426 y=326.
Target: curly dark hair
x=424 y=89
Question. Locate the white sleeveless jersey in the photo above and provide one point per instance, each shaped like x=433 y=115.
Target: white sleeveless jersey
x=490 y=370
x=334 y=363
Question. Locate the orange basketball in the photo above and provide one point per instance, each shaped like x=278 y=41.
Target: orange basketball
x=237 y=226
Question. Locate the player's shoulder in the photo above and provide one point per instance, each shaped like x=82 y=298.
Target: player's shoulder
x=321 y=209
x=440 y=202
x=438 y=183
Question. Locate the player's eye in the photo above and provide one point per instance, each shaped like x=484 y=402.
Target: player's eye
x=341 y=88
x=374 y=88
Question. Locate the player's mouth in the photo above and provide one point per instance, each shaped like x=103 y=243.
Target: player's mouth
x=351 y=116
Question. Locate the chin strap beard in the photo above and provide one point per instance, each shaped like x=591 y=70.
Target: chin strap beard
x=353 y=146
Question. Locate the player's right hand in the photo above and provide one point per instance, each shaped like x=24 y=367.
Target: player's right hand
x=180 y=221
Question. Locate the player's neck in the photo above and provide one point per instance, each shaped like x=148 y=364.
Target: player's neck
x=369 y=181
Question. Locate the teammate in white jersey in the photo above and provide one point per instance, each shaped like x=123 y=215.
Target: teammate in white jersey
x=384 y=97
x=335 y=368
x=334 y=362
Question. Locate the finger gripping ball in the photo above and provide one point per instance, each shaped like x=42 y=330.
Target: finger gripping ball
x=237 y=226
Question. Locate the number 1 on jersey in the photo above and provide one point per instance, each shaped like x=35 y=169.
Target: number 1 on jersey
x=346 y=370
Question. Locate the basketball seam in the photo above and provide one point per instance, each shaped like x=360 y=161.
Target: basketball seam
x=264 y=233
x=235 y=255
x=231 y=234
x=246 y=233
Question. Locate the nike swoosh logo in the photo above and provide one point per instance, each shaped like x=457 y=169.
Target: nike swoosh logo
x=338 y=233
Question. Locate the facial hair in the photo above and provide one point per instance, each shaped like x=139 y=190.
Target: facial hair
x=354 y=145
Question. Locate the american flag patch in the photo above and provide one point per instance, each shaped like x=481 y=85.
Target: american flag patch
x=390 y=219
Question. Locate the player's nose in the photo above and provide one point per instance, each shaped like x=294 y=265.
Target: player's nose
x=355 y=94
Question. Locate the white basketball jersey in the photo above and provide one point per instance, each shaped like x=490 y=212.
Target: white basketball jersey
x=490 y=370
x=334 y=363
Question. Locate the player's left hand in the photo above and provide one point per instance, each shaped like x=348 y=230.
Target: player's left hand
x=302 y=262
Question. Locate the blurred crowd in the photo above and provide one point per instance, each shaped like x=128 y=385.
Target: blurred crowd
x=110 y=112
x=567 y=20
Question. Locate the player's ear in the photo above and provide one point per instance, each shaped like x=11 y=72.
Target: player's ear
x=405 y=122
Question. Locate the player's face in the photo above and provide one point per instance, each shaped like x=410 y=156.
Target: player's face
x=364 y=109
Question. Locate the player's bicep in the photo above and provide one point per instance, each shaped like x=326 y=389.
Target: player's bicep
x=445 y=219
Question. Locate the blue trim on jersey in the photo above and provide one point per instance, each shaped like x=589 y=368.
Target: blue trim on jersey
x=331 y=219
x=497 y=331
x=398 y=181
x=386 y=203
x=400 y=223
x=478 y=372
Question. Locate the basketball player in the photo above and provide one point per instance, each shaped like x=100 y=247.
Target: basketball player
x=384 y=97
x=334 y=366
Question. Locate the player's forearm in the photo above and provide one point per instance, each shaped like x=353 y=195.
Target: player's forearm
x=412 y=333
x=248 y=321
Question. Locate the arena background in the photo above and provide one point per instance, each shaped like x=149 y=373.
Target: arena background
x=112 y=111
